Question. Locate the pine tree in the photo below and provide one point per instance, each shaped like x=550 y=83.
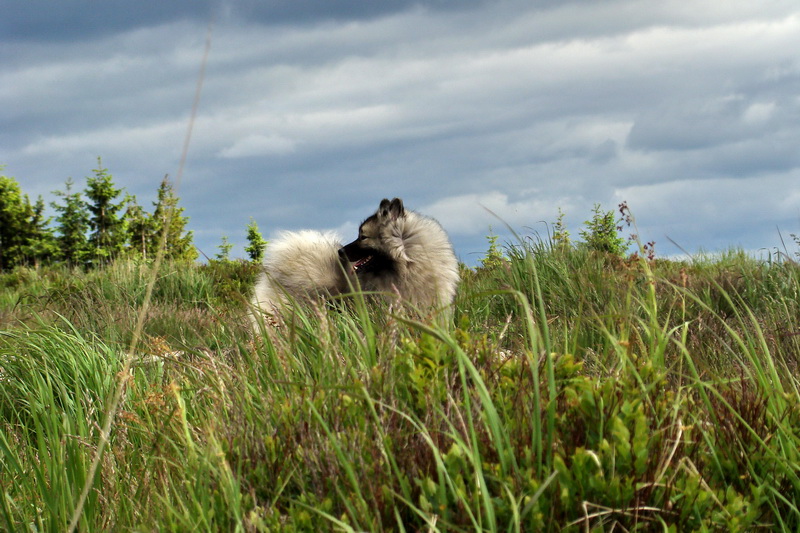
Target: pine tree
x=257 y=243
x=602 y=233
x=15 y=213
x=72 y=225
x=139 y=228
x=167 y=215
x=41 y=244
x=560 y=239
x=224 y=249
x=108 y=229
x=494 y=257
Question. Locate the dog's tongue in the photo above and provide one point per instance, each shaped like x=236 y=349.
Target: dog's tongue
x=361 y=262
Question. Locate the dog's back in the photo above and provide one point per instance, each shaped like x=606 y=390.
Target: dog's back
x=299 y=266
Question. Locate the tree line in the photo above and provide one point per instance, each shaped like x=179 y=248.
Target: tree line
x=91 y=228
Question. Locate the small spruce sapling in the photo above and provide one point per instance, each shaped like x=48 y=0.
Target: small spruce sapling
x=560 y=239
x=494 y=257
x=257 y=244
x=602 y=233
x=224 y=250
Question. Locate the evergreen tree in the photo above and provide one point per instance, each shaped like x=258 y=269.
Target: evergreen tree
x=224 y=249
x=167 y=216
x=257 y=243
x=108 y=229
x=601 y=233
x=15 y=213
x=41 y=244
x=494 y=256
x=72 y=225
x=560 y=237
x=139 y=228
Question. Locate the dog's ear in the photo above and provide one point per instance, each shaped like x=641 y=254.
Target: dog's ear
x=383 y=209
x=393 y=209
x=396 y=208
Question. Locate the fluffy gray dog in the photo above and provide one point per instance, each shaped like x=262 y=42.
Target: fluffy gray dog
x=397 y=252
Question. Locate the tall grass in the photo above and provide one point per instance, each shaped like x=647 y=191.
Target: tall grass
x=572 y=392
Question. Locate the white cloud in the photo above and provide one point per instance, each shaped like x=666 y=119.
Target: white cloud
x=716 y=213
x=471 y=214
x=255 y=145
x=759 y=112
x=151 y=138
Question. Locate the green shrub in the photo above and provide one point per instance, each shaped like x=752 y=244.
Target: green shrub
x=602 y=233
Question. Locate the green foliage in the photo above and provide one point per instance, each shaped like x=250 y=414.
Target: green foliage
x=256 y=243
x=96 y=227
x=602 y=233
x=72 y=225
x=167 y=218
x=560 y=237
x=16 y=221
x=139 y=228
x=224 y=249
x=89 y=232
x=494 y=256
x=108 y=236
x=40 y=245
x=231 y=281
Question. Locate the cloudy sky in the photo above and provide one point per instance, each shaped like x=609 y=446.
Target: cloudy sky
x=314 y=110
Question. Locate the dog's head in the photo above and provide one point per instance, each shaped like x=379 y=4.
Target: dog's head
x=370 y=252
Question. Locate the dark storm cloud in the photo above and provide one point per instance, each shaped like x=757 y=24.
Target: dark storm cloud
x=67 y=20
x=33 y=21
x=300 y=11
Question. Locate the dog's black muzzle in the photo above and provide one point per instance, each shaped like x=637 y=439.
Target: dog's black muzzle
x=360 y=257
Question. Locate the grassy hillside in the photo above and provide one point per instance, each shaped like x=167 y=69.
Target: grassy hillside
x=573 y=391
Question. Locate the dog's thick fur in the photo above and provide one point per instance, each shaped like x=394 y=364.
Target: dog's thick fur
x=400 y=251
x=397 y=252
x=300 y=266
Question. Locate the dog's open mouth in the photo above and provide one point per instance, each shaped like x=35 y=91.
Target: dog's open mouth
x=358 y=265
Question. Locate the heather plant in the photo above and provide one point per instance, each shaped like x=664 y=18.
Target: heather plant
x=796 y=240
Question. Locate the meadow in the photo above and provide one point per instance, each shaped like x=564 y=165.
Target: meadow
x=572 y=391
